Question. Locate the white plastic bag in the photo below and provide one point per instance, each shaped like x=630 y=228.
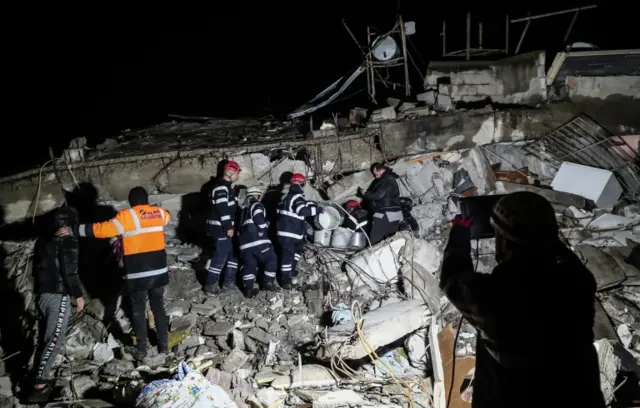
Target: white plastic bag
x=191 y=389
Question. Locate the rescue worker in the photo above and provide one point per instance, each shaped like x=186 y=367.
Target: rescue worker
x=255 y=246
x=56 y=284
x=145 y=263
x=537 y=279
x=383 y=200
x=356 y=218
x=221 y=221
x=292 y=211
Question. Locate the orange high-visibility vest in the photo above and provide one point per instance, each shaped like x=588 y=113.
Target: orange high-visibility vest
x=143 y=245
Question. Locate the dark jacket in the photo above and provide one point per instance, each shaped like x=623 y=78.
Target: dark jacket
x=534 y=315
x=356 y=220
x=383 y=193
x=292 y=211
x=55 y=266
x=253 y=221
x=221 y=204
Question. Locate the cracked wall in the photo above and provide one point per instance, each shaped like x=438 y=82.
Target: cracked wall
x=516 y=80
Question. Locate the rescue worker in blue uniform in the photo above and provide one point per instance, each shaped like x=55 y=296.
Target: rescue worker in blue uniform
x=220 y=226
x=291 y=226
x=255 y=246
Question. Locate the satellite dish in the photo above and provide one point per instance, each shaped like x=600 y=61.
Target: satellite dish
x=385 y=48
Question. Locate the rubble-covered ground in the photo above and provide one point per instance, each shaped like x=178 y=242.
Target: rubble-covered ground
x=366 y=327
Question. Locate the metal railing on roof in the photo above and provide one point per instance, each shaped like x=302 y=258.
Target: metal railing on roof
x=583 y=141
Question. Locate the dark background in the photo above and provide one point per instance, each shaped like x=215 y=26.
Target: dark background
x=94 y=72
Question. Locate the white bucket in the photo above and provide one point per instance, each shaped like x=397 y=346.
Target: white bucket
x=328 y=220
x=322 y=237
x=358 y=240
x=341 y=237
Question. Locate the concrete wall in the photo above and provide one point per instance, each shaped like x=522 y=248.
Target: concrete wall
x=463 y=130
x=515 y=80
x=603 y=87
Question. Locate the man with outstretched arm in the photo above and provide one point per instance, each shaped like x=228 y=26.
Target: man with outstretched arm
x=145 y=263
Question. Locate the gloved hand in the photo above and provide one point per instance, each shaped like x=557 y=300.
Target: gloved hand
x=320 y=210
x=462 y=221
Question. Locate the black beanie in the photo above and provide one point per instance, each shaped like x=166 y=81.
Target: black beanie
x=138 y=196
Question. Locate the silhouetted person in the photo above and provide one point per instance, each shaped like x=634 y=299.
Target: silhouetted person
x=538 y=289
x=100 y=274
x=145 y=262
x=56 y=284
x=382 y=198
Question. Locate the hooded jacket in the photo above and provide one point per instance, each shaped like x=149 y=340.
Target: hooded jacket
x=383 y=193
x=56 y=258
x=534 y=315
x=292 y=211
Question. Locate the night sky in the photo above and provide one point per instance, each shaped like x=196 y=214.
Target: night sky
x=95 y=72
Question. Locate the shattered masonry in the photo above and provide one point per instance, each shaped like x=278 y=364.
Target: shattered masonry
x=275 y=350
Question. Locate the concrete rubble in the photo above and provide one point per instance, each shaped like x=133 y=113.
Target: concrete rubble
x=366 y=327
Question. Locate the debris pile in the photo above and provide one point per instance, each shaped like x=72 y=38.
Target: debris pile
x=365 y=327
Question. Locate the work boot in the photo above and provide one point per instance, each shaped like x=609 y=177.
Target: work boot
x=251 y=293
x=39 y=395
x=229 y=287
x=211 y=289
x=289 y=286
x=271 y=287
x=136 y=353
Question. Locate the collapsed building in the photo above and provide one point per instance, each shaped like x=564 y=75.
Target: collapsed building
x=369 y=326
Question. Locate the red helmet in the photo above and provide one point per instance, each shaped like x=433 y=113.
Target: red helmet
x=232 y=166
x=352 y=204
x=298 y=179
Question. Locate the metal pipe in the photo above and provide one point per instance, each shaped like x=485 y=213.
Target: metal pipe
x=468 y=36
x=554 y=13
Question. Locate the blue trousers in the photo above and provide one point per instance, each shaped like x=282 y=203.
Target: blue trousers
x=251 y=259
x=222 y=256
x=290 y=252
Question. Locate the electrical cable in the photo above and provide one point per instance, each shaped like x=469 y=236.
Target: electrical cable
x=455 y=339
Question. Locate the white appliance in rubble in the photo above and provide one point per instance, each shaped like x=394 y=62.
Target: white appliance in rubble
x=597 y=185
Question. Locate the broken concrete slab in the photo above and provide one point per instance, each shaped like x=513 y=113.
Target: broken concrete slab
x=602 y=265
x=559 y=200
x=609 y=367
x=479 y=170
x=376 y=265
x=381 y=326
x=310 y=375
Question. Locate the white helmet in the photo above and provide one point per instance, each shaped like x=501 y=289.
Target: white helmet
x=255 y=191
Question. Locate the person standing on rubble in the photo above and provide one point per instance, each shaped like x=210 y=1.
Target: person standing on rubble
x=383 y=199
x=292 y=211
x=220 y=227
x=255 y=246
x=537 y=294
x=56 y=283
x=356 y=218
x=145 y=263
